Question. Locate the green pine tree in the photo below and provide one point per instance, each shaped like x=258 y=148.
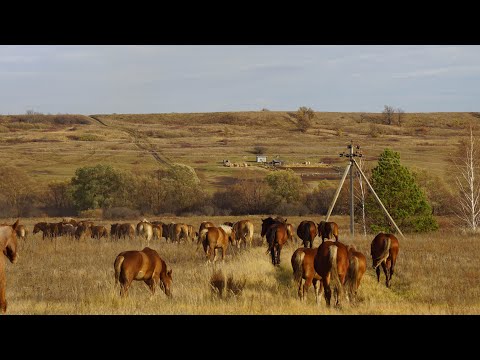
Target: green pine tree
x=406 y=203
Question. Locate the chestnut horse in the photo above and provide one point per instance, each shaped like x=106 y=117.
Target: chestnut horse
x=144 y=265
x=328 y=230
x=331 y=263
x=302 y=265
x=21 y=231
x=214 y=238
x=203 y=225
x=243 y=232
x=356 y=269
x=384 y=251
x=8 y=245
x=276 y=233
x=307 y=231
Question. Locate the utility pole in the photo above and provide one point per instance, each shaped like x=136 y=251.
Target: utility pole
x=352 y=164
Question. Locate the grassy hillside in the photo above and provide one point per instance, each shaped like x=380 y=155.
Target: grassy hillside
x=51 y=149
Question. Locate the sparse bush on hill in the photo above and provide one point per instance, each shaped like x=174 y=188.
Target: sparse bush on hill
x=304 y=117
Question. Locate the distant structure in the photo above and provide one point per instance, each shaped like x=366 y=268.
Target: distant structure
x=261 y=158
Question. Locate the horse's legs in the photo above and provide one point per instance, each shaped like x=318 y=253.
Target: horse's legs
x=385 y=270
x=279 y=250
x=300 y=288
x=317 y=284
x=224 y=250
x=377 y=270
x=392 y=264
x=272 y=253
x=306 y=286
x=327 y=289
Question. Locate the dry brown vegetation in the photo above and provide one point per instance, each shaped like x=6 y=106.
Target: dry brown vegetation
x=436 y=273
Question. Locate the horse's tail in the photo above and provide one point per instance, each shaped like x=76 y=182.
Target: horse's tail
x=332 y=256
x=118 y=267
x=352 y=275
x=297 y=265
x=203 y=235
x=385 y=253
x=271 y=237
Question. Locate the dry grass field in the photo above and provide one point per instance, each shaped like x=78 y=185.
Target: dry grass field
x=436 y=273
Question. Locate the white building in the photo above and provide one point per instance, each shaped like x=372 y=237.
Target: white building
x=261 y=158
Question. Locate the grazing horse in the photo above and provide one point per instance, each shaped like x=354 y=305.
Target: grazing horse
x=145 y=230
x=99 y=231
x=243 y=230
x=68 y=229
x=356 y=269
x=331 y=263
x=276 y=234
x=157 y=230
x=214 y=238
x=384 y=251
x=303 y=269
x=307 y=231
x=69 y=220
x=122 y=230
x=328 y=230
x=203 y=225
x=8 y=246
x=83 y=231
x=49 y=230
x=144 y=265
x=21 y=231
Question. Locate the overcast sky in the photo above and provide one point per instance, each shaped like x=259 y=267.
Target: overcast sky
x=167 y=78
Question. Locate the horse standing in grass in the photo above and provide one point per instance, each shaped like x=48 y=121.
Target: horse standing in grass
x=276 y=233
x=384 y=251
x=243 y=232
x=303 y=269
x=331 y=264
x=328 y=230
x=307 y=231
x=145 y=230
x=215 y=238
x=356 y=269
x=203 y=225
x=8 y=246
x=144 y=265
x=21 y=231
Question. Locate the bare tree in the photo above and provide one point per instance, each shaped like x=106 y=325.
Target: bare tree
x=469 y=192
x=304 y=118
x=400 y=116
x=388 y=112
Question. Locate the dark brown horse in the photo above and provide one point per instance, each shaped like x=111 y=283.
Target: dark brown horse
x=328 y=230
x=8 y=246
x=214 y=238
x=118 y=231
x=99 y=231
x=356 y=269
x=307 y=231
x=277 y=234
x=144 y=265
x=384 y=251
x=302 y=265
x=331 y=263
x=49 y=230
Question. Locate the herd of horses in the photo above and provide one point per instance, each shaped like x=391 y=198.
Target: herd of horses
x=331 y=267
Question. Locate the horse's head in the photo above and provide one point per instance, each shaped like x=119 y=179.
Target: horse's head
x=10 y=250
x=166 y=282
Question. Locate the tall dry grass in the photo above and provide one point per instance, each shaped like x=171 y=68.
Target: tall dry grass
x=436 y=273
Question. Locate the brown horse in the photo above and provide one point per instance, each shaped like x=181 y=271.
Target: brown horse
x=331 y=263
x=99 y=231
x=328 y=230
x=356 y=269
x=8 y=246
x=22 y=232
x=203 y=225
x=122 y=230
x=302 y=265
x=276 y=233
x=384 y=251
x=157 y=231
x=83 y=231
x=307 y=231
x=214 y=238
x=144 y=265
x=243 y=232
x=49 y=230
x=291 y=233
